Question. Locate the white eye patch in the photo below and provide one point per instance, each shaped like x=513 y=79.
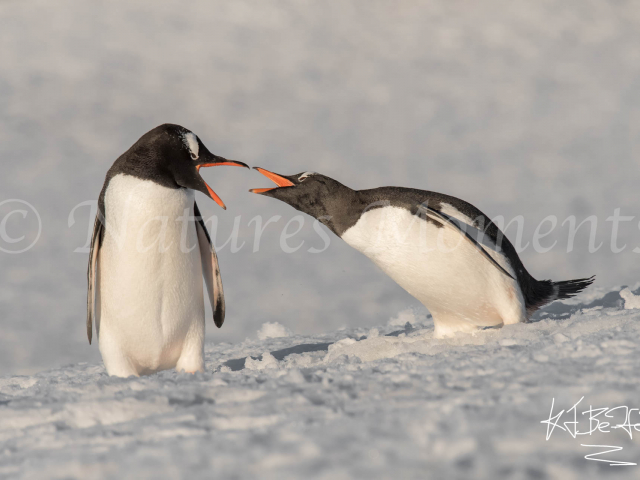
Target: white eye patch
x=305 y=175
x=191 y=141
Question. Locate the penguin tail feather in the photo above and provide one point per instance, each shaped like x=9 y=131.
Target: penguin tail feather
x=569 y=288
x=542 y=292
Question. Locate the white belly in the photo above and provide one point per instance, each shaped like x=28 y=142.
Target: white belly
x=447 y=274
x=150 y=278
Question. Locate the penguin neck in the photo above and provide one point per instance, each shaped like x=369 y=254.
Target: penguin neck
x=342 y=210
x=143 y=167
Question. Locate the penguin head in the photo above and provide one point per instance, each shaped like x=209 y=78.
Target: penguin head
x=312 y=193
x=172 y=155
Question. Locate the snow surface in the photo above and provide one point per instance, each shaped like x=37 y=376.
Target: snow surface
x=386 y=402
x=272 y=330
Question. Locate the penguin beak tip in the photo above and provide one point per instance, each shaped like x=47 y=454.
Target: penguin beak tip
x=279 y=180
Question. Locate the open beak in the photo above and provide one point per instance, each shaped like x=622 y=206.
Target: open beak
x=223 y=161
x=279 y=180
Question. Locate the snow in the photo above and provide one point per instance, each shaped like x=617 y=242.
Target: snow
x=272 y=330
x=631 y=301
x=389 y=401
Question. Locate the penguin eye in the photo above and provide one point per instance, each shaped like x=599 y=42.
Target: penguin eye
x=305 y=175
x=191 y=142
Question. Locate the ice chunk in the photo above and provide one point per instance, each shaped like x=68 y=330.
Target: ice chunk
x=273 y=330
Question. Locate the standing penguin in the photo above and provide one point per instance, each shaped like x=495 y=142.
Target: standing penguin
x=149 y=252
x=442 y=250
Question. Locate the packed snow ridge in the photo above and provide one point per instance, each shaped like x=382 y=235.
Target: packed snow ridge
x=387 y=401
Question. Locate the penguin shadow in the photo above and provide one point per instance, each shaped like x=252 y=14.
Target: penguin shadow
x=408 y=328
x=561 y=311
x=237 y=364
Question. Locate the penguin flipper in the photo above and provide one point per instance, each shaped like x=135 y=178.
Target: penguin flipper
x=453 y=223
x=210 y=269
x=92 y=275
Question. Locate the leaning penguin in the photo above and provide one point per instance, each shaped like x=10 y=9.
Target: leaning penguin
x=440 y=249
x=149 y=253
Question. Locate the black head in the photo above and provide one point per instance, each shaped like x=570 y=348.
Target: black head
x=322 y=197
x=172 y=156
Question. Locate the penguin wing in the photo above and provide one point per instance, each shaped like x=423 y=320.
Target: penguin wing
x=92 y=275
x=210 y=269
x=461 y=227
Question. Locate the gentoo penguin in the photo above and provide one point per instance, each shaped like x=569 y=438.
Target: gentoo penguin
x=149 y=252
x=442 y=250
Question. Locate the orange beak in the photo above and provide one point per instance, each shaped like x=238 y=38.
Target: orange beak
x=277 y=179
x=214 y=196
